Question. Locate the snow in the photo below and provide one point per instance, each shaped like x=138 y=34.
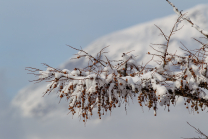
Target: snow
x=205 y=32
x=58 y=75
x=197 y=27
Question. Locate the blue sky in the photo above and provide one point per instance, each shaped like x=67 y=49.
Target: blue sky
x=37 y=31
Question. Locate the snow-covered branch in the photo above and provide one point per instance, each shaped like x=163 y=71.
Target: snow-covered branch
x=106 y=84
x=179 y=13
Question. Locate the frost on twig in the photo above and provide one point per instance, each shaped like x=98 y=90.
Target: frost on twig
x=179 y=13
x=106 y=84
x=198 y=131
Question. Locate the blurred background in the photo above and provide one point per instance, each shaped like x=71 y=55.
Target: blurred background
x=37 y=31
